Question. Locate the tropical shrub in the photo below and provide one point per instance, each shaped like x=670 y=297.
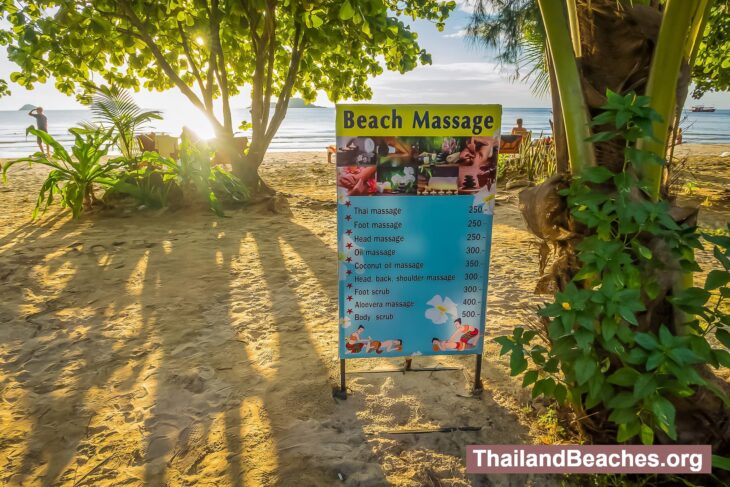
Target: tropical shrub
x=150 y=181
x=73 y=175
x=192 y=173
x=536 y=160
x=601 y=352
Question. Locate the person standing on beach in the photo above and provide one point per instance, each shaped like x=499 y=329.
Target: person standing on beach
x=42 y=124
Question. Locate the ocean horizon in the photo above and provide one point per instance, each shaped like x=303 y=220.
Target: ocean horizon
x=309 y=129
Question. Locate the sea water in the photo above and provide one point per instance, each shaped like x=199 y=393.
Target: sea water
x=309 y=129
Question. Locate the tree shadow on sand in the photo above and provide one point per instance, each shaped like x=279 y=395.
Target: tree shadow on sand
x=192 y=349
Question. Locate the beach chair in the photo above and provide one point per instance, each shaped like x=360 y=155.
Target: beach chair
x=510 y=144
x=166 y=146
x=221 y=157
x=146 y=142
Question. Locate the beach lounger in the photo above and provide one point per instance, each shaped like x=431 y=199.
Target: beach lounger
x=166 y=146
x=510 y=144
x=220 y=157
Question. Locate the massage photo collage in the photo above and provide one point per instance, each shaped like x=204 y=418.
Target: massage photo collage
x=428 y=166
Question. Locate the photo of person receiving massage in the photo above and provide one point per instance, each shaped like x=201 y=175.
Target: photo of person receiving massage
x=355 y=343
x=427 y=166
x=465 y=337
x=356 y=180
x=455 y=165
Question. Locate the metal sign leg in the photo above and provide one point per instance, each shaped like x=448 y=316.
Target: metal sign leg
x=478 y=386
x=341 y=393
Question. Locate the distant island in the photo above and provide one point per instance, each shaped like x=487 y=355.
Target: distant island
x=27 y=106
x=297 y=103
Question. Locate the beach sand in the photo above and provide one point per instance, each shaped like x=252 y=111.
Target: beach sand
x=184 y=349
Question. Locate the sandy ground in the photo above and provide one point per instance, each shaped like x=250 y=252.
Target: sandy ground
x=184 y=349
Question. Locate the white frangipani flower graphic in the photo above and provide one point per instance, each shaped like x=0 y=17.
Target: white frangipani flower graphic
x=345 y=322
x=441 y=309
x=485 y=198
x=342 y=197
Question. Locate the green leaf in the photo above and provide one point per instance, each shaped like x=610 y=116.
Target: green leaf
x=626 y=431
x=529 y=378
x=646 y=341
x=722 y=463
x=346 y=11
x=628 y=315
x=316 y=21
x=664 y=413
x=625 y=376
x=645 y=385
x=560 y=393
x=622 y=415
x=684 y=356
x=596 y=174
x=585 y=367
x=602 y=137
x=665 y=336
x=647 y=435
x=724 y=337
x=621 y=400
x=655 y=360
x=507 y=344
x=517 y=363
x=644 y=251
x=716 y=279
x=608 y=328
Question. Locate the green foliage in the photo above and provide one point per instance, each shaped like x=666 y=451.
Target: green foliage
x=711 y=71
x=602 y=354
x=72 y=175
x=192 y=173
x=536 y=161
x=116 y=109
x=4 y=90
x=503 y=25
x=149 y=179
x=210 y=51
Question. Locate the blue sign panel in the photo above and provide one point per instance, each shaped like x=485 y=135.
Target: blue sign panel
x=414 y=221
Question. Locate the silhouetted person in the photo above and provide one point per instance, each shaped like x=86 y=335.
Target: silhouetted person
x=42 y=124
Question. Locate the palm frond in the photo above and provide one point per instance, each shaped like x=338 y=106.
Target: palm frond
x=115 y=108
x=514 y=29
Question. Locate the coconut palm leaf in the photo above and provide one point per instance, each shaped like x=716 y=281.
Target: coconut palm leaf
x=514 y=28
x=115 y=108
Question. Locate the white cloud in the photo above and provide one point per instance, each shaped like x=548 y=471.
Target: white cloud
x=457 y=34
x=468 y=6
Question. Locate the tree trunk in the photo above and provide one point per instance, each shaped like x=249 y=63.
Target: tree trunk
x=617 y=46
x=561 y=148
x=246 y=168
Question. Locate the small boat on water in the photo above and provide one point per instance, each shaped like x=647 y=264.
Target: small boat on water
x=702 y=108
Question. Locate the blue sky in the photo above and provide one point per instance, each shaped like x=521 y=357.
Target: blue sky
x=460 y=73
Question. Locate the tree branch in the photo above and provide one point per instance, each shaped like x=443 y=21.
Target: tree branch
x=270 y=35
x=164 y=65
x=283 y=102
x=221 y=71
x=191 y=62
